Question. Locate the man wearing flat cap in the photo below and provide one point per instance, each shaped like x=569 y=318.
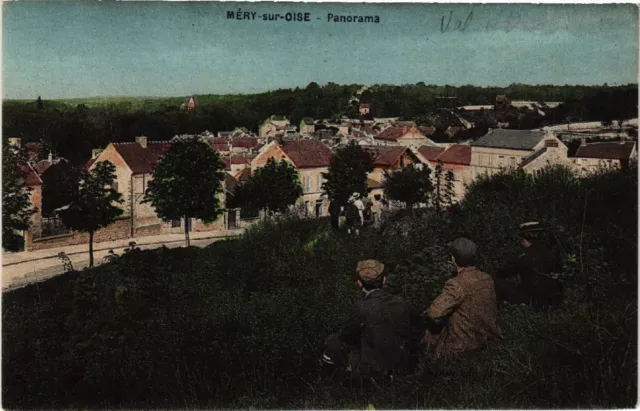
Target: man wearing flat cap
x=464 y=317
x=376 y=339
x=534 y=266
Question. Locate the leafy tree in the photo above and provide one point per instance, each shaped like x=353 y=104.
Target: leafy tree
x=59 y=186
x=439 y=186
x=411 y=185
x=39 y=103
x=16 y=205
x=186 y=183
x=449 y=193
x=273 y=188
x=94 y=204
x=347 y=173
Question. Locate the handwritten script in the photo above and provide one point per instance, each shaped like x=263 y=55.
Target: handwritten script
x=452 y=22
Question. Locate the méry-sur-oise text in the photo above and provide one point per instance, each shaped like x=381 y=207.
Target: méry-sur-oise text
x=299 y=17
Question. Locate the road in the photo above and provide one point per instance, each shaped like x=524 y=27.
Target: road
x=19 y=275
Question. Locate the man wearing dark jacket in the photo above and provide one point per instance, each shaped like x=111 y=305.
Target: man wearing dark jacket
x=376 y=340
x=534 y=265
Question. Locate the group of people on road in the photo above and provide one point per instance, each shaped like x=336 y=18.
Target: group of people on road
x=383 y=336
x=358 y=211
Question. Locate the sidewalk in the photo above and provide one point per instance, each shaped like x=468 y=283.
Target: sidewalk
x=9 y=259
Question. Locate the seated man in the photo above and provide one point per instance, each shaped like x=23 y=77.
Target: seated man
x=465 y=316
x=534 y=266
x=376 y=340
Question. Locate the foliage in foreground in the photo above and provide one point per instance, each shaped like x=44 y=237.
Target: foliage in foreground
x=241 y=323
x=16 y=206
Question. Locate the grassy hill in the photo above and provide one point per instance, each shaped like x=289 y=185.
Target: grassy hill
x=241 y=323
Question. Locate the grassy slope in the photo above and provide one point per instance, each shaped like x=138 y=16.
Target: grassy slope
x=241 y=323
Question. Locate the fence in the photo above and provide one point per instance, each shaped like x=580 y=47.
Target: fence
x=51 y=226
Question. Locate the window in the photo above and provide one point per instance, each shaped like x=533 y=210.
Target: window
x=175 y=223
x=114 y=185
x=512 y=161
x=320 y=181
x=306 y=184
x=501 y=161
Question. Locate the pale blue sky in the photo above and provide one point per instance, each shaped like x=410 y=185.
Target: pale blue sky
x=62 y=50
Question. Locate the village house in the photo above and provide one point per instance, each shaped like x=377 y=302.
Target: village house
x=134 y=164
x=365 y=109
x=273 y=126
x=387 y=160
x=501 y=148
x=190 y=104
x=311 y=158
x=307 y=125
x=594 y=156
x=408 y=136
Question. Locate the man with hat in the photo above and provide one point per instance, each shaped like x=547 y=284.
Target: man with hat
x=534 y=266
x=464 y=317
x=376 y=339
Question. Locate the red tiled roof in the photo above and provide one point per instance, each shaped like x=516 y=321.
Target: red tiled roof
x=29 y=175
x=364 y=105
x=229 y=160
x=220 y=147
x=135 y=156
x=386 y=156
x=307 y=153
x=230 y=182
x=41 y=166
x=392 y=133
x=244 y=174
x=245 y=142
x=139 y=159
x=220 y=140
x=88 y=164
x=158 y=149
x=427 y=131
x=456 y=154
x=612 y=150
x=431 y=153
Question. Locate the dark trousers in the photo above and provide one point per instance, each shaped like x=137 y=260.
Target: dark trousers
x=339 y=354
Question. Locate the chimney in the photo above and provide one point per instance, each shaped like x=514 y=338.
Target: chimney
x=583 y=141
x=50 y=159
x=14 y=141
x=142 y=140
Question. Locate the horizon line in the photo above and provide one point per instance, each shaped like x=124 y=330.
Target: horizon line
x=605 y=84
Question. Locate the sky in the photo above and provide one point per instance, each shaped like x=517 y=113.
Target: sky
x=90 y=49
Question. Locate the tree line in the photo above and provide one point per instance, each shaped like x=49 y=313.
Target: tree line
x=73 y=127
